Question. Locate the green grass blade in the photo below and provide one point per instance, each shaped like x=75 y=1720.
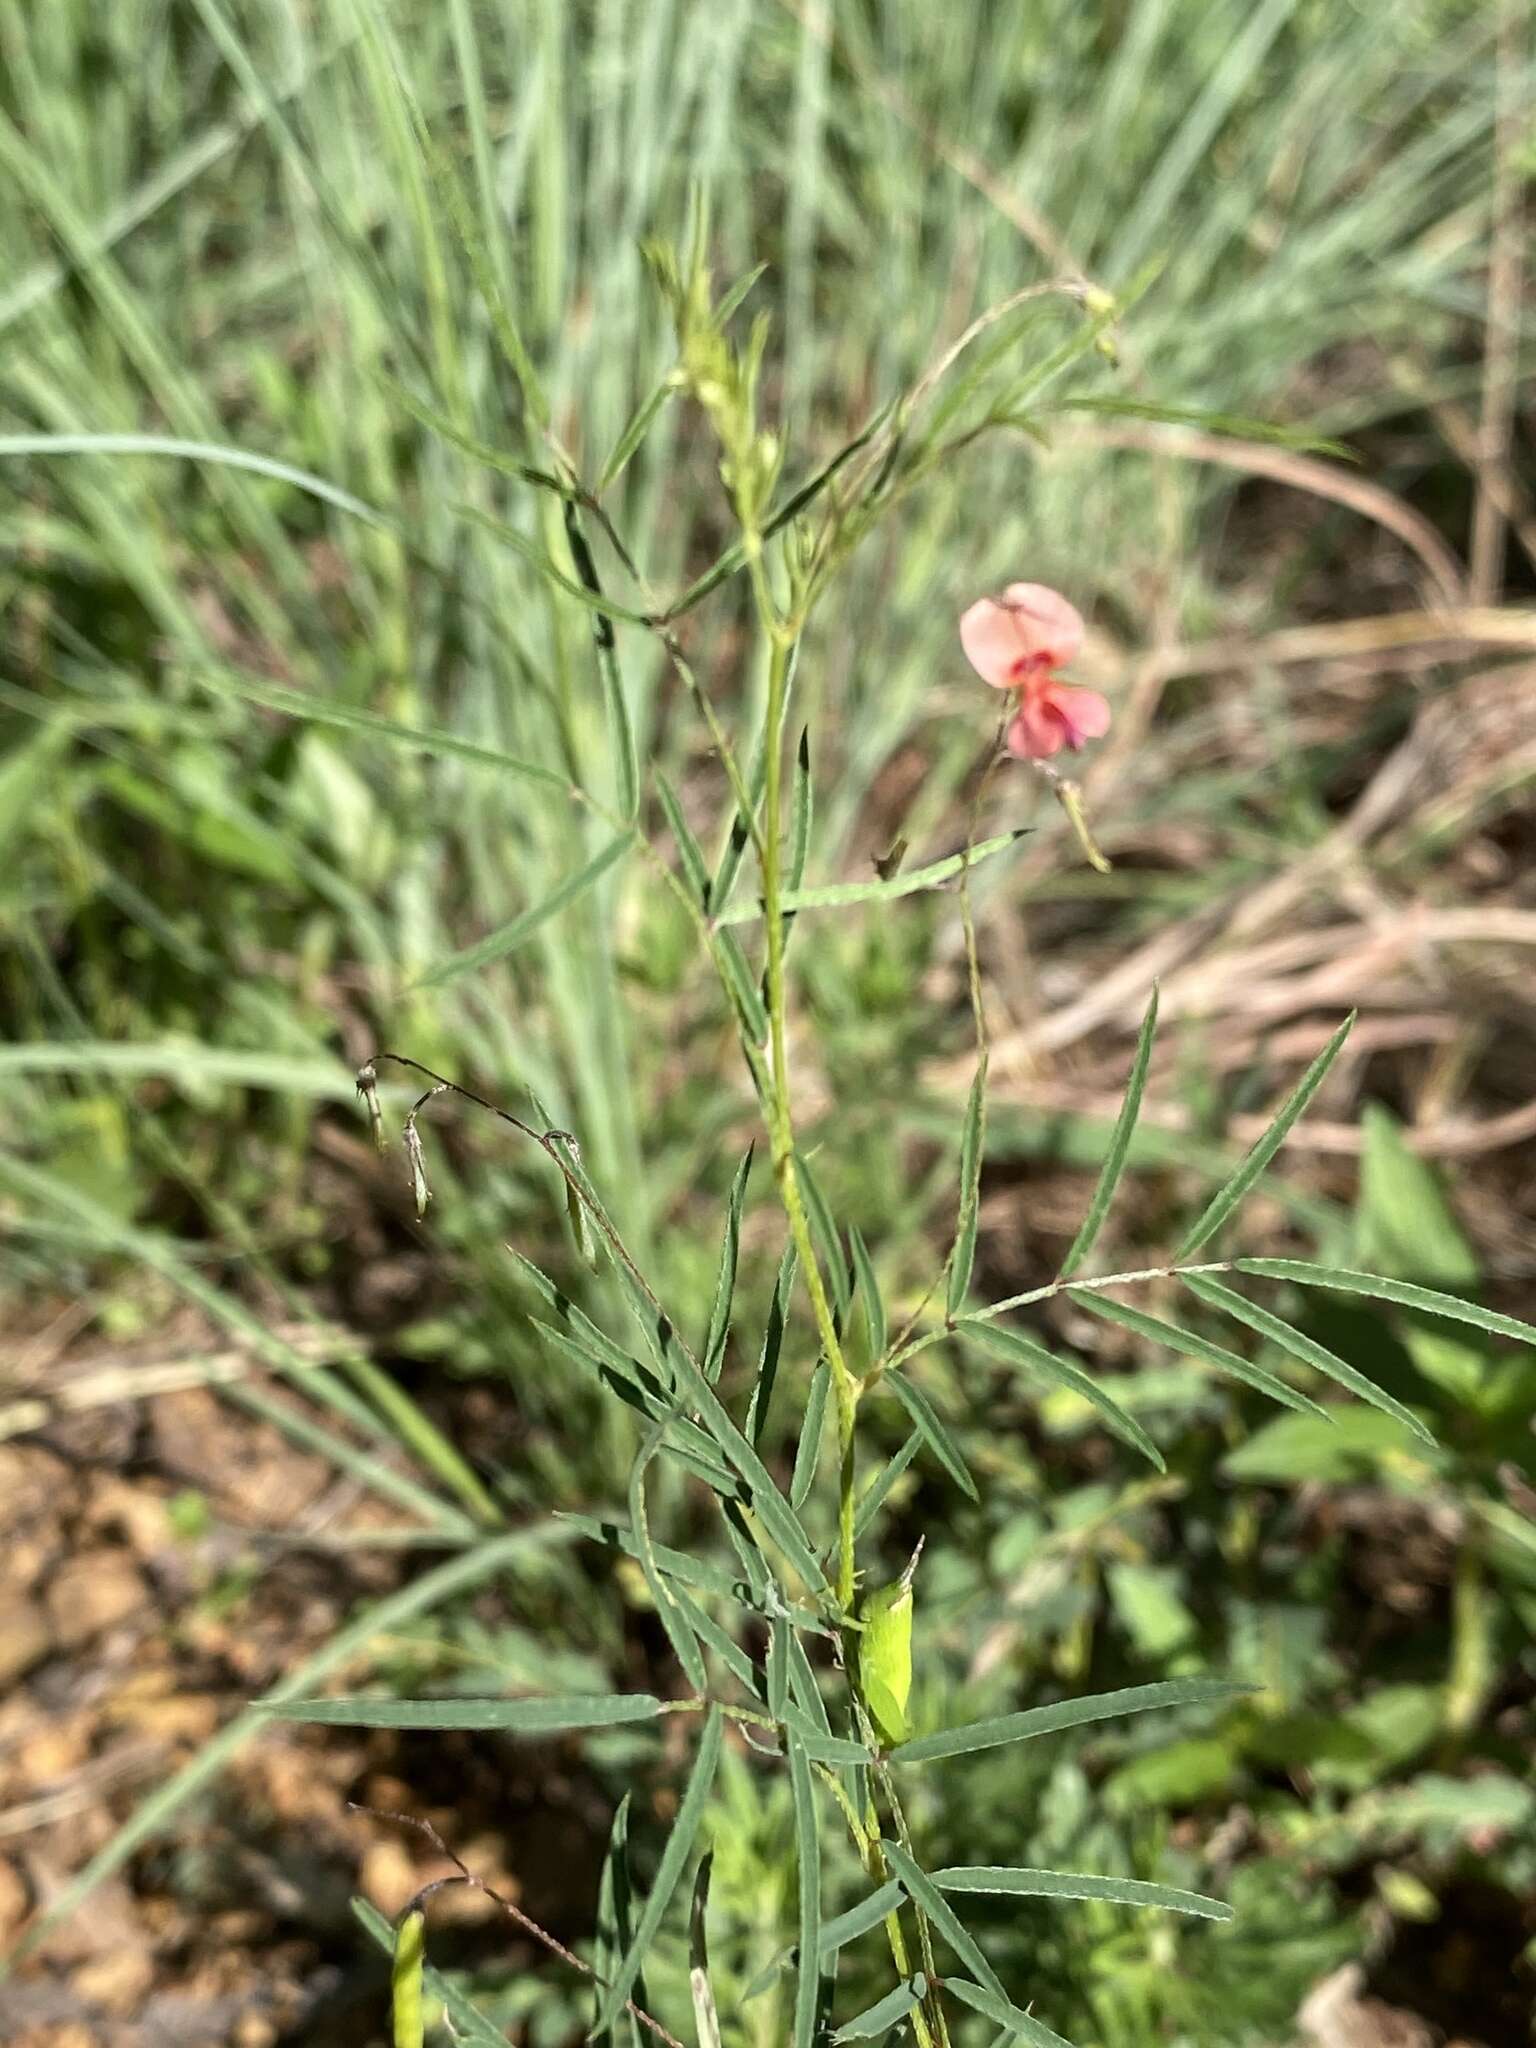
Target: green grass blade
x=868 y=1289
x=1119 y=1146
x=689 y=850
x=808 y=1863
x=994 y=2006
x=1033 y=1721
x=1301 y=1346
x=209 y=452
x=508 y=1717
x=836 y=895
x=706 y=2017
x=873 y=1498
x=925 y=1895
x=1018 y=1349
x=859 y=1919
x=1065 y=1884
x=972 y=1144
x=926 y=1422
x=713 y=1356
x=615 y=1923
x=1402 y=1293
x=516 y=931
x=1228 y=1196
x=808 y=1450
x=885 y=2013
x=669 y=1872
x=759 y=1406
x=1192 y=1345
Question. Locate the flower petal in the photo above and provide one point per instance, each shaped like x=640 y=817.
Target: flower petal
x=1036 y=731
x=990 y=637
x=1049 y=628
x=1083 y=713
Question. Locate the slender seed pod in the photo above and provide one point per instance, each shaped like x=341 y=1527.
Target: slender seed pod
x=405 y=1979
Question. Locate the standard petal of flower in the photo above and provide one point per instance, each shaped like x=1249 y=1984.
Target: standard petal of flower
x=1050 y=629
x=1084 y=713
x=992 y=644
x=1036 y=731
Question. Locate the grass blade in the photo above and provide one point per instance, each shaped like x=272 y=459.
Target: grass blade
x=836 y=895
x=1400 y=1292
x=972 y=1139
x=725 y=1279
x=1227 y=1197
x=615 y=1915
x=506 y=938
x=1065 y=1884
x=706 y=2017
x=932 y=1431
x=1301 y=1346
x=868 y=1288
x=859 y=1919
x=924 y=1894
x=994 y=2006
x=885 y=2013
x=1172 y=1338
x=1119 y=1146
x=679 y=1845
x=510 y=1717
x=768 y=1359
x=808 y=1859
x=808 y=1450
x=1098 y=1706
x=1018 y=1349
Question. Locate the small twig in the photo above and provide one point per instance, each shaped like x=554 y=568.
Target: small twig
x=513 y=1912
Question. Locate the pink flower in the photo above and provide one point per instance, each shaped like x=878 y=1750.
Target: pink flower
x=1017 y=642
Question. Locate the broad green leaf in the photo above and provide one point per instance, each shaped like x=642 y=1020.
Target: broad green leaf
x=725 y=1280
x=836 y=895
x=1066 y=1884
x=932 y=1431
x=512 y=1717
x=1327 y=1451
x=1173 y=1777
x=1192 y=1345
x=1119 y=1146
x=1099 y=1706
x=972 y=1138
x=1402 y=1292
x=1301 y=1346
x=1231 y=1193
x=812 y=1428
x=924 y=1894
x=868 y=1288
x=706 y=2018
x=859 y=1919
x=808 y=1862
x=1150 y=1607
x=674 y=1857
x=885 y=2013
x=1020 y=2025
x=324 y=711
x=1018 y=1349
x=506 y=938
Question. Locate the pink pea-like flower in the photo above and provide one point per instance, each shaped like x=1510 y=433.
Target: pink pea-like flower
x=1017 y=642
